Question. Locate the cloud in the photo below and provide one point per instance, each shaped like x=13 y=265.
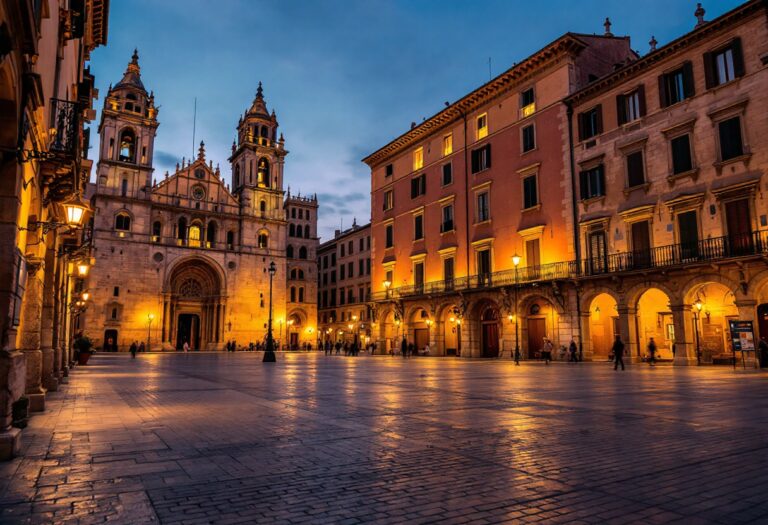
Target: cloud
x=165 y=159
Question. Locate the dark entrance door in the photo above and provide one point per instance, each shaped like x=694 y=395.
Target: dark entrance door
x=420 y=338
x=294 y=340
x=739 y=227
x=110 y=341
x=641 y=244
x=188 y=331
x=688 y=230
x=762 y=331
x=490 y=333
x=597 y=253
x=537 y=331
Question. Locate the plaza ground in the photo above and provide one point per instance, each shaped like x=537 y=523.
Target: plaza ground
x=224 y=438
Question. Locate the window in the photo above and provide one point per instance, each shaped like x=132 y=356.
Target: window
x=361 y=267
x=676 y=85
x=448 y=269
x=263 y=240
x=483 y=211
x=199 y=173
x=301 y=294
x=681 y=154
x=123 y=222
x=124 y=188
x=447 y=144
x=262 y=173
x=447 y=224
x=303 y=252
x=293 y=294
x=289 y=252
x=127 y=145
x=361 y=244
x=390 y=241
x=418 y=158
x=350 y=247
x=351 y=269
x=591 y=123
x=263 y=206
x=306 y=231
x=447 y=174
x=293 y=213
x=527 y=98
x=631 y=107
x=332 y=295
x=484 y=264
x=482 y=126
x=341 y=297
x=388 y=276
x=529 y=138
x=418 y=186
x=368 y=266
x=592 y=182
x=230 y=240
x=116 y=291
x=194 y=235
x=635 y=171
x=333 y=259
x=389 y=170
x=333 y=276
x=530 y=192
x=532 y=253
x=157 y=229
x=418 y=227
x=350 y=296
x=343 y=248
x=210 y=234
x=481 y=159
x=237 y=175
x=389 y=200
x=730 y=138
x=181 y=231
x=291 y=230
x=724 y=65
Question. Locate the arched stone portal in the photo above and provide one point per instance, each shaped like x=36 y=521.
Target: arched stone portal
x=193 y=306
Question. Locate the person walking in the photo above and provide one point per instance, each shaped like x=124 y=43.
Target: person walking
x=652 y=352
x=142 y=348
x=618 y=353
x=134 y=347
x=546 y=351
x=572 y=349
x=404 y=348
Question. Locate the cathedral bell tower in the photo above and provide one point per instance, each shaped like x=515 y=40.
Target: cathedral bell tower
x=127 y=130
x=257 y=160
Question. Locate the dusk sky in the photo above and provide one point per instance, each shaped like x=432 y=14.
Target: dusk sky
x=345 y=77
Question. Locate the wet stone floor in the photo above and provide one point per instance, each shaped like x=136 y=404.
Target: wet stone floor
x=224 y=438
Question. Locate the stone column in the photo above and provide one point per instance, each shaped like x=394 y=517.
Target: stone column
x=747 y=311
x=628 y=328
x=49 y=380
x=30 y=335
x=586 y=334
x=685 y=338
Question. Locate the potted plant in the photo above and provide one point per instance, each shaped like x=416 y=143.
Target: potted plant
x=84 y=348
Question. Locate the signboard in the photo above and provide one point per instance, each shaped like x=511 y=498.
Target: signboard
x=742 y=336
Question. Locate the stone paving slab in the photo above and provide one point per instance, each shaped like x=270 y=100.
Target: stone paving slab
x=223 y=438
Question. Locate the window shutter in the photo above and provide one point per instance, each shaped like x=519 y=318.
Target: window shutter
x=583 y=185
x=621 y=109
x=641 y=96
x=663 y=101
x=474 y=161
x=688 y=85
x=414 y=187
x=599 y=110
x=601 y=178
x=488 y=153
x=709 y=71
x=580 y=124
x=738 y=58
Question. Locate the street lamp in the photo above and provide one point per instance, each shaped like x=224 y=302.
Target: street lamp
x=516 y=262
x=75 y=209
x=696 y=316
x=150 y=318
x=82 y=267
x=288 y=325
x=269 y=353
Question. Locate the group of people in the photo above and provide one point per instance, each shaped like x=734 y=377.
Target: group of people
x=350 y=349
x=547 y=348
x=137 y=347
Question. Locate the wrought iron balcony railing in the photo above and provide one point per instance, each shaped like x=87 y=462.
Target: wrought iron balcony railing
x=64 y=120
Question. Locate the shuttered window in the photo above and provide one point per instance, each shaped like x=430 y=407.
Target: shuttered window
x=681 y=154
x=635 y=172
x=730 y=138
x=592 y=182
x=724 y=64
x=676 y=85
x=481 y=159
x=591 y=123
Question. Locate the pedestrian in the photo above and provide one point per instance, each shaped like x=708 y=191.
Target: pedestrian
x=133 y=350
x=404 y=348
x=142 y=348
x=234 y=345
x=338 y=347
x=618 y=353
x=762 y=345
x=186 y=347
x=652 y=352
x=572 y=349
x=546 y=351
x=410 y=349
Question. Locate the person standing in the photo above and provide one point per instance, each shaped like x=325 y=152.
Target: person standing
x=186 y=347
x=618 y=353
x=142 y=348
x=546 y=351
x=404 y=348
x=572 y=349
x=652 y=352
x=517 y=356
x=133 y=350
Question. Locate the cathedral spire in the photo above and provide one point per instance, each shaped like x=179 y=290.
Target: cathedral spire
x=132 y=76
x=259 y=106
x=201 y=151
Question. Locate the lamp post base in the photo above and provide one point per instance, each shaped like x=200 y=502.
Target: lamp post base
x=269 y=357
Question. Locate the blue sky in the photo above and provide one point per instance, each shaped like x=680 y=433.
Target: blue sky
x=345 y=77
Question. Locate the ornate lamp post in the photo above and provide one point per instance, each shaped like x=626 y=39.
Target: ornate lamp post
x=696 y=315
x=269 y=353
x=355 y=334
x=150 y=318
x=516 y=262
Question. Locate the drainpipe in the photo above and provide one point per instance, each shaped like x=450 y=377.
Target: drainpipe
x=575 y=217
x=466 y=193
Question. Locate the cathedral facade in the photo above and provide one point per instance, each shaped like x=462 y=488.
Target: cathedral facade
x=185 y=259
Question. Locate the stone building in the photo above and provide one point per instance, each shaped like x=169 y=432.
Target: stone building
x=185 y=258
x=641 y=184
x=46 y=94
x=344 y=284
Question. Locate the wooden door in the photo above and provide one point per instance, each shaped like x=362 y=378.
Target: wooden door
x=537 y=331
x=641 y=244
x=597 y=253
x=490 y=339
x=739 y=227
x=688 y=232
x=420 y=338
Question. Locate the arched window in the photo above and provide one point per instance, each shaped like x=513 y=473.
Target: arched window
x=301 y=294
x=303 y=252
x=293 y=274
x=127 y=145
x=263 y=206
x=306 y=231
x=289 y=251
x=210 y=235
x=157 y=230
x=291 y=230
x=237 y=175
x=194 y=234
x=265 y=132
x=230 y=240
x=181 y=232
x=262 y=175
x=293 y=294
x=123 y=222
x=293 y=213
x=301 y=274
x=114 y=313
x=263 y=240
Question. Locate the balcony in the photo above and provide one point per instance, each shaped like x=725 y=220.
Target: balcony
x=683 y=254
x=64 y=121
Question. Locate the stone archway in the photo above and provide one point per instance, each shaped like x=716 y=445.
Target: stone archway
x=539 y=318
x=193 y=307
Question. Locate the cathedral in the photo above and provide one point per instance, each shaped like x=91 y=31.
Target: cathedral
x=186 y=259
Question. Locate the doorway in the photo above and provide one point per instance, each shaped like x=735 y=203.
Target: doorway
x=110 y=341
x=641 y=244
x=188 y=331
x=420 y=338
x=537 y=331
x=490 y=333
x=739 y=227
x=293 y=340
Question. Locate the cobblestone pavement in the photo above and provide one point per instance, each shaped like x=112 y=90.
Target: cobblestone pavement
x=224 y=438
